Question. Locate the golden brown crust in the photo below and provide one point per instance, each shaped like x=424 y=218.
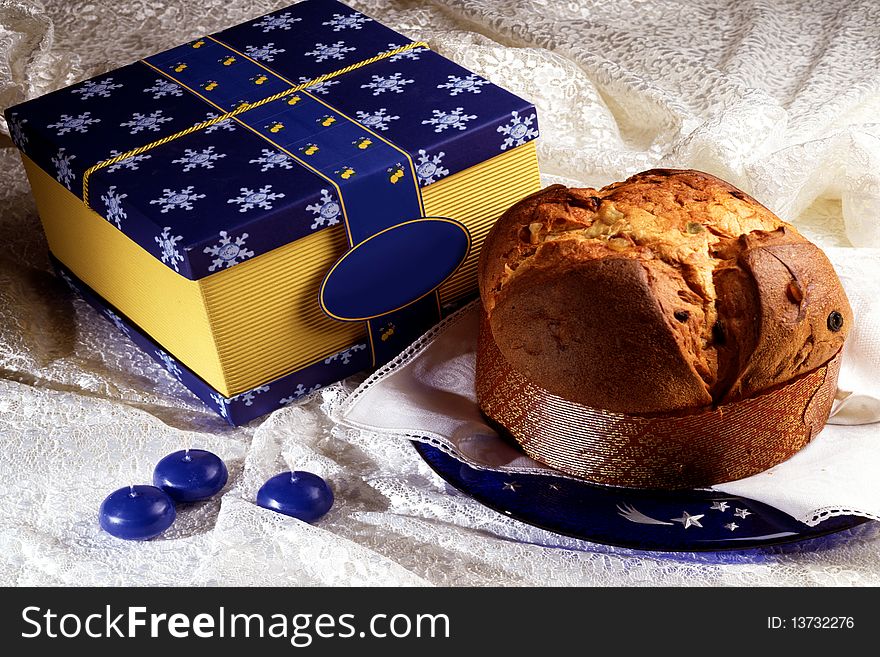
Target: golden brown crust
x=669 y=291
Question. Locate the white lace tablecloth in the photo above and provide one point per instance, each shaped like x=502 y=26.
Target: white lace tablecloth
x=780 y=99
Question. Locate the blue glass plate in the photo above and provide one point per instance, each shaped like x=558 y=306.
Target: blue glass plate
x=688 y=520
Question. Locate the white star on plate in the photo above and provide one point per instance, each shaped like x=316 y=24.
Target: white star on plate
x=742 y=513
x=554 y=487
x=719 y=506
x=731 y=526
x=511 y=486
x=687 y=519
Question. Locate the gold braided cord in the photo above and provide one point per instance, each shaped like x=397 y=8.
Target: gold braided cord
x=244 y=107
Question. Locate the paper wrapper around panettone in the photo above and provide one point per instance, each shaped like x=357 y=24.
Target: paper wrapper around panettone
x=687 y=450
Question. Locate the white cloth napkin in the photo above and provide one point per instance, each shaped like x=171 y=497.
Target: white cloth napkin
x=427 y=394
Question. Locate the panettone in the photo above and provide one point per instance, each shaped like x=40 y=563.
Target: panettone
x=670 y=291
x=665 y=332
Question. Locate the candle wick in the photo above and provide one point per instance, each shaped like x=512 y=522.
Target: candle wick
x=131 y=491
x=293 y=477
x=186 y=456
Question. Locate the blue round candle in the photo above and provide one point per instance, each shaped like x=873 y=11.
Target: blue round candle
x=137 y=513
x=191 y=475
x=298 y=494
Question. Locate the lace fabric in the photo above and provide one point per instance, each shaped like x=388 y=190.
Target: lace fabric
x=779 y=100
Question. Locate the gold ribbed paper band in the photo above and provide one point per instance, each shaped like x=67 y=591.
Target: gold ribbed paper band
x=730 y=442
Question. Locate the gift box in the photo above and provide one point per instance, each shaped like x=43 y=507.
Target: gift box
x=279 y=205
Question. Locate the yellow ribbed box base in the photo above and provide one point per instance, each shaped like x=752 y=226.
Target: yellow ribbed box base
x=252 y=323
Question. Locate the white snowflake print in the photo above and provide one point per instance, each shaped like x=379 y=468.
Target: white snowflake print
x=353 y=21
x=64 y=173
x=518 y=130
x=261 y=198
x=223 y=404
x=117 y=321
x=204 y=158
x=271 y=159
x=327 y=211
x=322 y=88
x=130 y=163
x=428 y=168
x=263 y=53
x=163 y=88
x=412 y=53
x=333 y=51
x=298 y=392
x=172 y=200
x=16 y=131
x=225 y=124
x=282 y=22
x=377 y=120
x=168 y=248
x=151 y=121
x=113 y=202
x=102 y=88
x=345 y=355
x=78 y=123
x=248 y=397
x=228 y=251
x=454 y=119
x=457 y=85
x=169 y=363
x=381 y=84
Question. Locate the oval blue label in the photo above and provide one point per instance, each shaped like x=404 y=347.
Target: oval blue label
x=394 y=268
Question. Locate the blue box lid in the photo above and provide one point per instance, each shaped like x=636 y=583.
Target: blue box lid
x=229 y=191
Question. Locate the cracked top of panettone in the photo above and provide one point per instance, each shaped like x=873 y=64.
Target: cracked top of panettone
x=668 y=291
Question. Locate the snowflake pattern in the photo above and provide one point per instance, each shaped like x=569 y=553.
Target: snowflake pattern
x=271 y=159
x=377 y=120
x=64 y=172
x=281 y=22
x=225 y=124
x=117 y=321
x=412 y=53
x=168 y=248
x=151 y=121
x=248 y=397
x=322 y=88
x=163 y=88
x=261 y=198
x=429 y=169
x=346 y=354
x=222 y=404
x=353 y=21
x=204 y=158
x=169 y=363
x=16 y=131
x=263 y=53
x=327 y=211
x=455 y=119
x=130 y=163
x=68 y=123
x=457 y=85
x=228 y=251
x=381 y=84
x=90 y=88
x=336 y=50
x=518 y=130
x=113 y=202
x=299 y=392
x=172 y=200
